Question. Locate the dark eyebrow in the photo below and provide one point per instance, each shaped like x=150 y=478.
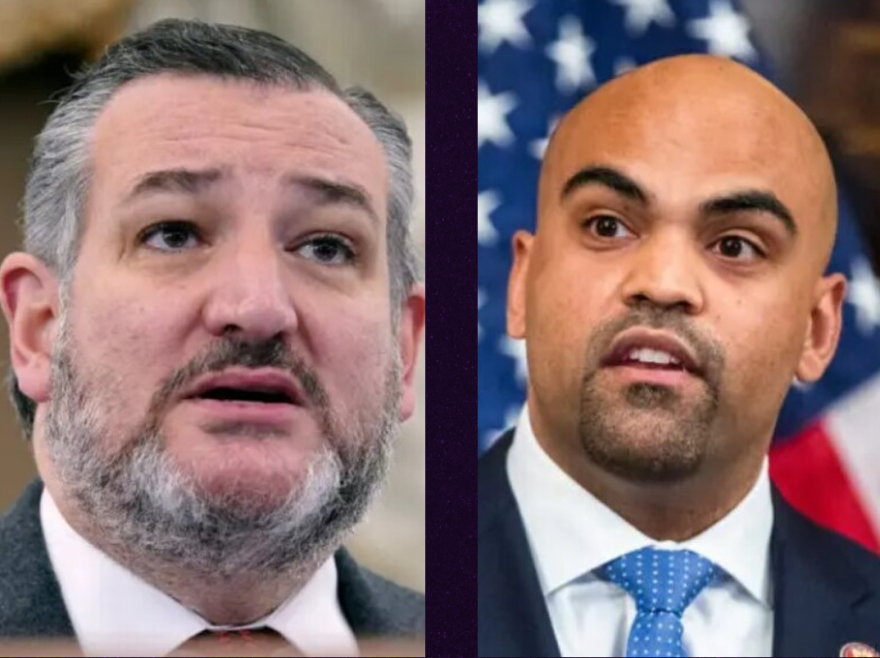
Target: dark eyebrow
x=608 y=177
x=187 y=181
x=332 y=192
x=743 y=201
x=751 y=201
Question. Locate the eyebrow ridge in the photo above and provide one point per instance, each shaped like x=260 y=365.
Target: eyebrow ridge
x=189 y=181
x=740 y=201
x=752 y=201
x=607 y=177
x=336 y=192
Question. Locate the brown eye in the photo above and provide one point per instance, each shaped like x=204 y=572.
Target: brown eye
x=738 y=248
x=607 y=226
x=170 y=236
x=329 y=250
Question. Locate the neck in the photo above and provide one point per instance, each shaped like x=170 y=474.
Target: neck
x=221 y=599
x=664 y=511
x=667 y=512
x=234 y=601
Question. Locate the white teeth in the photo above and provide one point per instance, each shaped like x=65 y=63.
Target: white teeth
x=646 y=355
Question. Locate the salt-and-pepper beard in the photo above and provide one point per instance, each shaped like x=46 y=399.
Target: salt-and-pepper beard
x=141 y=504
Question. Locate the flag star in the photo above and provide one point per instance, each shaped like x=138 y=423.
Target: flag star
x=539 y=146
x=511 y=416
x=492 y=114
x=516 y=350
x=863 y=292
x=726 y=30
x=510 y=419
x=623 y=64
x=641 y=13
x=487 y=203
x=481 y=299
x=502 y=20
x=572 y=54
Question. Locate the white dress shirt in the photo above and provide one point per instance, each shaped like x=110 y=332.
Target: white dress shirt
x=112 y=609
x=571 y=533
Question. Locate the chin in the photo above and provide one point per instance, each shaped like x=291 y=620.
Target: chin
x=644 y=457
x=247 y=472
x=247 y=490
x=645 y=445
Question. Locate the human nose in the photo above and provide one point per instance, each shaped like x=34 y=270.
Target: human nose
x=251 y=296
x=665 y=271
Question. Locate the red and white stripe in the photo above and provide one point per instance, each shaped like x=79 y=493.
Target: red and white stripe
x=831 y=470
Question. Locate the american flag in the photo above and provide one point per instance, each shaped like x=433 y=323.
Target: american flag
x=537 y=58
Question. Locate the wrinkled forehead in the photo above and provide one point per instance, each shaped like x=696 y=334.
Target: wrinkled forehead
x=266 y=132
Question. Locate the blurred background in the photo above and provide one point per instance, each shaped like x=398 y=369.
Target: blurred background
x=827 y=52
x=537 y=59
x=379 y=44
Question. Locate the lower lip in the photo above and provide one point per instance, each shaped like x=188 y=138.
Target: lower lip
x=660 y=376
x=246 y=412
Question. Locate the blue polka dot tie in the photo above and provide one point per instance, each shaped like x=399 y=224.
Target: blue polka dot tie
x=663 y=584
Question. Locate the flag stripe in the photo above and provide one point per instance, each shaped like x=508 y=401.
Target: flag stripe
x=855 y=432
x=810 y=475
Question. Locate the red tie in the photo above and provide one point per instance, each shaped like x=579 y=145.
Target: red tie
x=258 y=642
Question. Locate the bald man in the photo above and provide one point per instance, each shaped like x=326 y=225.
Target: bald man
x=674 y=289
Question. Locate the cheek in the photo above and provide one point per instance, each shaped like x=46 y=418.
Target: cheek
x=352 y=353
x=119 y=348
x=762 y=350
x=566 y=303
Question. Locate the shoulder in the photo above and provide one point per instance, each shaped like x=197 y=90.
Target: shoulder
x=493 y=487
x=30 y=597
x=375 y=605
x=824 y=550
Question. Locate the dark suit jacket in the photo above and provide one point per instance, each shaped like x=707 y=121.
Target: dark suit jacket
x=31 y=603
x=826 y=588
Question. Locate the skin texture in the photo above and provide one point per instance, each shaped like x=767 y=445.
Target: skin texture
x=256 y=285
x=673 y=459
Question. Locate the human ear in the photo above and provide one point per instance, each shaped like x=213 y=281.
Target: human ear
x=823 y=328
x=29 y=297
x=516 y=285
x=410 y=329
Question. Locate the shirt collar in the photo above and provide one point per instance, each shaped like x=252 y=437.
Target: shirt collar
x=109 y=605
x=571 y=532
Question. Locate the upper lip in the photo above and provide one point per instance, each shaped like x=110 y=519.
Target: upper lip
x=266 y=380
x=655 y=340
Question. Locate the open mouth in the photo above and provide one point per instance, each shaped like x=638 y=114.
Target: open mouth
x=248 y=396
x=649 y=359
x=240 y=407
x=651 y=352
x=225 y=394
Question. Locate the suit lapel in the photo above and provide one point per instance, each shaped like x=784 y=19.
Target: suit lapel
x=30 y=597
x=822 y=597
x=817 y=597
x=512 y=617
x=358 y=600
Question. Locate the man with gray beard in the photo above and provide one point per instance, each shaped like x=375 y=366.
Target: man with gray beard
x=210 y=415
x=674 y=288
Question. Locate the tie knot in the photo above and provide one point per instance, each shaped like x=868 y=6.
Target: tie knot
x=661 y=581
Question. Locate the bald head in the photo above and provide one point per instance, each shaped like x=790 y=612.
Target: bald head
x=687 y=201
x=698 y=116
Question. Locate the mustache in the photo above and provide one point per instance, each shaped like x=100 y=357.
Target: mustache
x=709 y=352
x=230 y=352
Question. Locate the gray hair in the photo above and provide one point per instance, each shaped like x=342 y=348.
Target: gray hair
x=60 y=169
